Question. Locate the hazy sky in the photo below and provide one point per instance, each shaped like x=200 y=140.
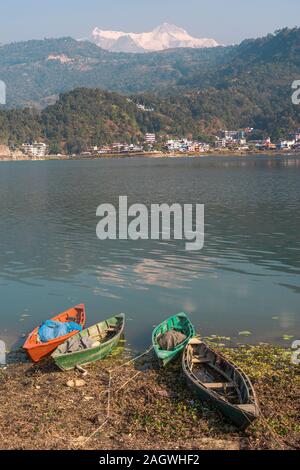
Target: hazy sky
x=227 y=21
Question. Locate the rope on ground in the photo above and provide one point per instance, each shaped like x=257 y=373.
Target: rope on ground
x=124 y=364
x=109 y=396
x=126 y=383
x=271 y=431
x=105 y=392
x=132 y=360
x=282 y=443
x=109 y=391
x=94 y=433
x=107 y=414
x=276 y=437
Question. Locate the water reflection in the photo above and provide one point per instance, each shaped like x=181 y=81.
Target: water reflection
x=247 y=273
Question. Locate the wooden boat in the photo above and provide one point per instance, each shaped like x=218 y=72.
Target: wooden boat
x=216 y=380
x=180 y=323
x=37 y=350
x=106 y=336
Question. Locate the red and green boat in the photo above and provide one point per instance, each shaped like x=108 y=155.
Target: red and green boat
x=102 y=337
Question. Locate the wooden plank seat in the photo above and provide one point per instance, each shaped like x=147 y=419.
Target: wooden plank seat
x=246 y=408
x=219 y=385
x=200 y=360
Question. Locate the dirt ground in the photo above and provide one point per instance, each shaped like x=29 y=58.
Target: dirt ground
x=149 y=407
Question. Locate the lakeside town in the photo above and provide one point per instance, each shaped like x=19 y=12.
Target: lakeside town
x=226 y=141
x=150 y=166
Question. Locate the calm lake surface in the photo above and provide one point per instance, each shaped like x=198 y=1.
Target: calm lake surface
x=247 y=277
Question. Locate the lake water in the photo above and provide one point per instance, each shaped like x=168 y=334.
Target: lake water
x=247 y=277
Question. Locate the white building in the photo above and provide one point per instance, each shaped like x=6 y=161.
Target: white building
x=142 y=107
x=173 y=144
x=295 y=135
x=286 y=144
x=185 y=146
x=232 y=136
x=220 y=143
x=37 y=149
x=150 y=138
x=202 y=147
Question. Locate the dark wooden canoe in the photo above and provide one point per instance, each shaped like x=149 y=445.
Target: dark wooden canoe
x=216 y=380
x=106 y=336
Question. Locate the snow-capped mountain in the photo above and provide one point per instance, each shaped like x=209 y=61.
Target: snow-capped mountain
x=166 y=36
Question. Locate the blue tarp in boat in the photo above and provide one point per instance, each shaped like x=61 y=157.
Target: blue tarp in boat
x=55 y=329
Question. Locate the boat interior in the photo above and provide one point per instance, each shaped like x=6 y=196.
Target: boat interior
x=74 y=315
x=99 y=334
x=178 y=323
x=105 y=331
x=217 y=375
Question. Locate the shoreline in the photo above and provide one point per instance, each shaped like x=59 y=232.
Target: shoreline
x=154 y=411
x=270 y=153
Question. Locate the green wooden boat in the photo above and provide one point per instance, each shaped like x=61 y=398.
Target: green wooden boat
x=223 y=384
x=179 y=322
x=101 y=339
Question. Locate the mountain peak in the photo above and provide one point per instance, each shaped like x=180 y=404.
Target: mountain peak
x=168 y=28
x=165 y=36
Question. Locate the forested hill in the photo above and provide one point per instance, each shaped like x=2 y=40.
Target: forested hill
x=192 y=92
x=86 y=117
x=36 y=72
x=81 y=118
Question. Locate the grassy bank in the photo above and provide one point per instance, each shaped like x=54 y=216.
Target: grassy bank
x=40 y=410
